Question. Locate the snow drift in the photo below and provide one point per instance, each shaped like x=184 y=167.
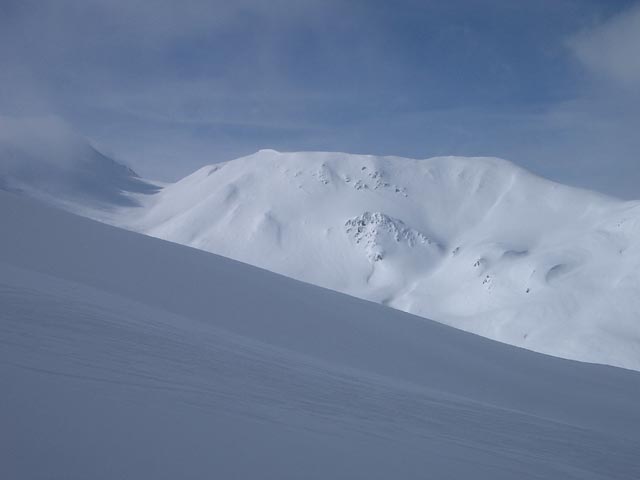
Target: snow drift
x=124 y=356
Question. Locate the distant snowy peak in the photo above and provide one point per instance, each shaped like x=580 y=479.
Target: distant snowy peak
x=458 y=193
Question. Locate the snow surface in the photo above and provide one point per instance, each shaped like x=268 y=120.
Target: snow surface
x=476 y=243
x=124 y=356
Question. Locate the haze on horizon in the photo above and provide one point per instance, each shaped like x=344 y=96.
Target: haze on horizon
x=170 y=86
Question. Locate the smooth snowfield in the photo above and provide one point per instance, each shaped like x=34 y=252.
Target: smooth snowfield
x=124 y=356
x=476 y=243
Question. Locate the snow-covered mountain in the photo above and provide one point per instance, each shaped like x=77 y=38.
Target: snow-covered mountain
x=123 y=356
x=476 y=243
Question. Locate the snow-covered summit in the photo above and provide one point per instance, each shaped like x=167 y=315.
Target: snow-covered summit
x=477 y=243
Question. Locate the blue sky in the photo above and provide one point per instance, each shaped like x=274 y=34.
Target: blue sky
x=168 y=86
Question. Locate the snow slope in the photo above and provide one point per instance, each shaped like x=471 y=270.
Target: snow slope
x=123 y=356
x=476 y=243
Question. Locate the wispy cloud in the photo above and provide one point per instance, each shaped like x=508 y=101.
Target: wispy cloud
x=611 y=49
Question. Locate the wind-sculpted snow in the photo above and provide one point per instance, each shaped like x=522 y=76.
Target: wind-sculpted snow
x=476 y=243
x=123 y=356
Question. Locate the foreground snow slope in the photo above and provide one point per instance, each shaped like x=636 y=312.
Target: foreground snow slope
x=123 y=356
x=476 y=243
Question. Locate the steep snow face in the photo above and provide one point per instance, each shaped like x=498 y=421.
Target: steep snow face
x=123 y=356
x=476 y=243
x=44 y=159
